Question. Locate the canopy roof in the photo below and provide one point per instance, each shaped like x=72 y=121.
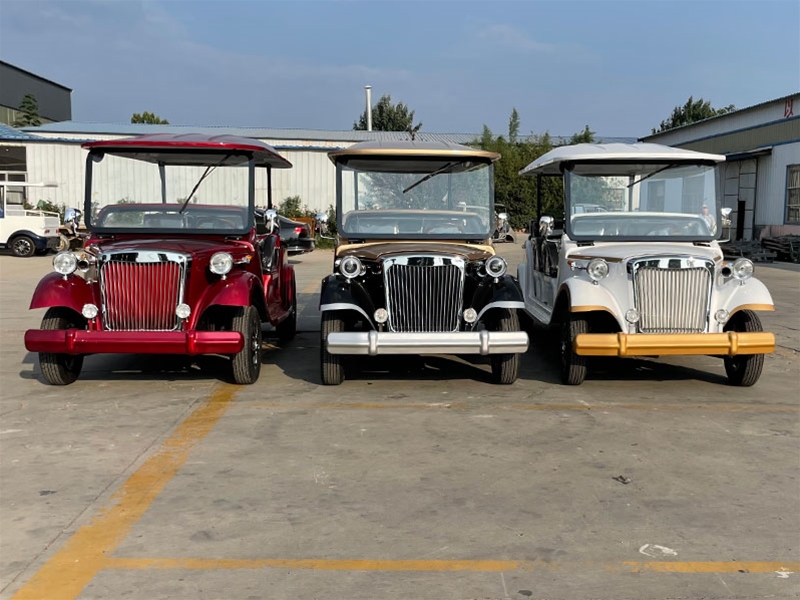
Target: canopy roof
x=410 y=149
x=190 y=149
x=616 y=154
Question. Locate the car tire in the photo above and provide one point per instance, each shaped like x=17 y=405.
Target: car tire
x=505 y=367
x=60 y=369
x=63 y=243
x=287 y=328
x=331 y=367
x=22 y=246
x=246 y=364
x=573 y=366
x=744 y=370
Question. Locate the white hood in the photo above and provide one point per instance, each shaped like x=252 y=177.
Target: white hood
x=620 y=251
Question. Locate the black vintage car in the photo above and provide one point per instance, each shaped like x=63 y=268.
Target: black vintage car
x=415 y=271
x=296 y=236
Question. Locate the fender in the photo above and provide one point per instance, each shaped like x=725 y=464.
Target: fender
x=39 y=239
x=340 y=294
x=72 y=292
x=503 y=294
x=752 y=295
x=237 y=289
x=584 y=296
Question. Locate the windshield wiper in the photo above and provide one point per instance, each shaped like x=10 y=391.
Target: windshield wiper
x=429 y=175
x=648 y=176
x=206 y=173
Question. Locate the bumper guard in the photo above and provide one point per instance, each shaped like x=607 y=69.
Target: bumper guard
x=81 y=341
x=372 y=343
x=730 y=343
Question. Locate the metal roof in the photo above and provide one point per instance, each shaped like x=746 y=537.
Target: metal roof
x=9 y=133
x=550 y=163
x=151 y=144
x=266 y=133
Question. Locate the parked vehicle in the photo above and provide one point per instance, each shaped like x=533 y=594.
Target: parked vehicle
x=71 y=235
x=25 y=232
x=176 y=262
x=645 y=276
x=296 y=236
x=414 y=270
x=502 y=228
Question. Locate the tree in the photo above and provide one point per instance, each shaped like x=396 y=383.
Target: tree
x=513 y=126
x=693 y=110
x=582 y=137
x=29 y=108
x=389 y=117
x=149 y=118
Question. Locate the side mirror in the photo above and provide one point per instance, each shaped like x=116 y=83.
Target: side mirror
x=271 y=217
x=546 y=226
x=503 y=216
x=71 y=216
x=726 y=216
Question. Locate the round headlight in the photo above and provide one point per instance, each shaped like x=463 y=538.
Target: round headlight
x=182 y=311
x=89 y=311
x=597 y=269
x=496 y=266
x=743 y=269
x=470 y=315
x=632 y=316
x=65 y=263
x=350 y=267
x=722 y=316
x=381 y=315
x=221 y=263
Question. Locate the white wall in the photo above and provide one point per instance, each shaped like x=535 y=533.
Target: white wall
x=771 y=183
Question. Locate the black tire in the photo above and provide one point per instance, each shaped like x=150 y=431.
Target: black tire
x=505 y=367
x=61 y=369
x=746 y=369
x=246 y=364
x=331 y=367
x=573 y=366
x=22 y=246
x=287 y=328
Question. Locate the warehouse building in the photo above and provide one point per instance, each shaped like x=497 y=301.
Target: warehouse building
x=54 y=100
x=761 y=178
x=52 y=153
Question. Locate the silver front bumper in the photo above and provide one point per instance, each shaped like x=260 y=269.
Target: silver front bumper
x=372 y=343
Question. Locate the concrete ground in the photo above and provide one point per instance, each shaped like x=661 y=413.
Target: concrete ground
x=415 y=479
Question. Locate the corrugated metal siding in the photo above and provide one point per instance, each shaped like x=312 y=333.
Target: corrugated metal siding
x=742 y=141
x=313 y=178
x=59 y=163
x=771 y=185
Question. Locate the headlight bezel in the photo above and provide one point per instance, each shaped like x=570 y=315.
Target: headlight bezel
x=742 y=269
x=221 y=263
x=68 y=267
x=349 y=272
x=597 y=269
x=494 y=272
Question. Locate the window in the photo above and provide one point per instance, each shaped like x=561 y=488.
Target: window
x=656 y=191
x=793 y=194
x=692 y=200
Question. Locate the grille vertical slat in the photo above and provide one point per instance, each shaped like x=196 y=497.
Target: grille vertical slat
x=424 y=293
x=140 y=291
x=672 y=300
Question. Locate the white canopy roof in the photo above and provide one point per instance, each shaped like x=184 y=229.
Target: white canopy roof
x=550 y=163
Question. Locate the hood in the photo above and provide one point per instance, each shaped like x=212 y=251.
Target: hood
x=191 y=246
x=623 y=251
x=379 y=250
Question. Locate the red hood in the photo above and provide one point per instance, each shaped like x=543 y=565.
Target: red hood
x=196 y=247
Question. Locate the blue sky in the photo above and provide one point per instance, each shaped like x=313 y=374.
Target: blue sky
x=619 y=67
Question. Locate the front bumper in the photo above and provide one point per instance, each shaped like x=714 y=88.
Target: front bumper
x=674 y=344
x=81 y=341
x=372 y=343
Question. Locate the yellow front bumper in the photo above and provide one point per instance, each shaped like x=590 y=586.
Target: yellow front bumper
x=666 y=344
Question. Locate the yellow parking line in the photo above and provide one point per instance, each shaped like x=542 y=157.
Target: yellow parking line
x=84 y=554
x=467 y=405
x=201 y=564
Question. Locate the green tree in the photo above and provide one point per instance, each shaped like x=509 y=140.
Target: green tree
x=149 y=118
x=387 y=116
x=513 y=126
x=293 y=208
x=692 y=111
x=582 y=137
x=29 y=108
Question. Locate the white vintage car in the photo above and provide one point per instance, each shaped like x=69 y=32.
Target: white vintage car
x=635 y=268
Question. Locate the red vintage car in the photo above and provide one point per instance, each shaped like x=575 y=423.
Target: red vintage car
x=177 y=262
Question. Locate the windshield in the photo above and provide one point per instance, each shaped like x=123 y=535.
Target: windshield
x=649 y=202
x=137 y=195
x=422 y=199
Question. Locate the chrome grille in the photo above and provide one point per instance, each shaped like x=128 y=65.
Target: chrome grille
x=672 y=294
x=424 y=293
x=140 y=290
